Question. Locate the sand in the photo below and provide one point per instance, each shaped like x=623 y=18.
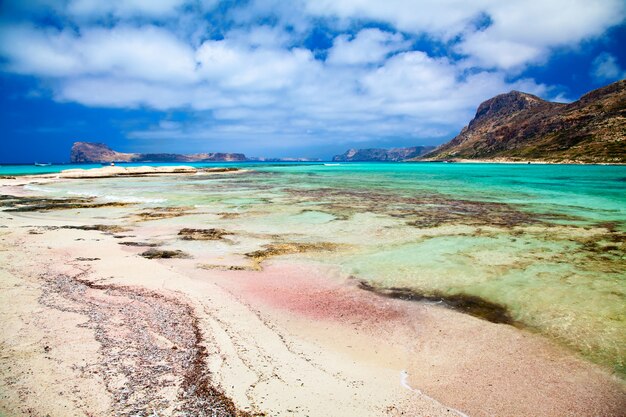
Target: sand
x=116 y=171
x=91 y=328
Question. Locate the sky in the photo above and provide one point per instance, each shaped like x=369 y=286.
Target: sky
x=285 y=78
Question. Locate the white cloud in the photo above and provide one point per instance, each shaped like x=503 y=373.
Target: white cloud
x=38 y=52
x=252 y=81
x=519 y=31
x=485 y=50
x=122 y=93
x=255 y=87
x=524 y=32
x=263 y=35
x=283 y=14
x=148 y=53
x=443 y=18
x=606 y=68
x=123 y=8
x=369 y=46
x=240 y=67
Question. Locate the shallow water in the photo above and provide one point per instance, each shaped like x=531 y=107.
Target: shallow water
x=545 y=241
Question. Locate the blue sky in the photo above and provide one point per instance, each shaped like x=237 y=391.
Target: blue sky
x=285 y=78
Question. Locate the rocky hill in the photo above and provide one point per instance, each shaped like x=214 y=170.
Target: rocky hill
x=377 y=154
x=86 y=152
x=520 y=126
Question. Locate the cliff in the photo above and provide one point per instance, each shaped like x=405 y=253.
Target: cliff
x=377 y=154
x=86 y=152
x=520 y=126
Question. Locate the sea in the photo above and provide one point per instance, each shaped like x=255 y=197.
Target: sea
x=545 y=242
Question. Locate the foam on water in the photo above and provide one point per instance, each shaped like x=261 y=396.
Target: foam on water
x=38 y=189
x=404 y=381
x=83 y=193
x=133 y=199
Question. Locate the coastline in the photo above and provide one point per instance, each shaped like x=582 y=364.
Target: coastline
x=274 y=339
x=517 y=162
x=125 y=171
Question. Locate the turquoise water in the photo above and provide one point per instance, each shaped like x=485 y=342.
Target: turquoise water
x=31 y=169
x=592 y=192
x=548 y=242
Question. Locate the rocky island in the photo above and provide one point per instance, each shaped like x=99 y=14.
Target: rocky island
x=381 y=155
x=90 y=152
x=518 y=126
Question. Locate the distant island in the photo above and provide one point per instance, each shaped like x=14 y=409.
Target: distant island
x=522 y=127
x=92 y=152
x=378 y=154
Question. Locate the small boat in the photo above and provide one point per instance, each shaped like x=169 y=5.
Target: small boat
x=37 y=164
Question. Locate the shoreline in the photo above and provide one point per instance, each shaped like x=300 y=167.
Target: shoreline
x=123 y=171
x=506 y=161
x=83 y=173
x=290 y=338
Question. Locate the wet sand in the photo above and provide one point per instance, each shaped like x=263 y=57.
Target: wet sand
x=91 y=327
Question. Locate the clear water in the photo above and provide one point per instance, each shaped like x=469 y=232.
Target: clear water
x=32 y=169
x=545 y=241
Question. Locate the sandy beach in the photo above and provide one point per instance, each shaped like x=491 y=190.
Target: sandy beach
x=104 y=312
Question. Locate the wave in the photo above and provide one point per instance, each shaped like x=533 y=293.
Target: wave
x=117 y=198
x=82 y=193
x=133 y=199
x=31 y=187
x=404 y=381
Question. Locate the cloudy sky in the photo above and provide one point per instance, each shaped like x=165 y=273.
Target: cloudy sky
x=285 y=77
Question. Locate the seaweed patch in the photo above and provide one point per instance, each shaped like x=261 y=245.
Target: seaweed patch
x=469 y=304
x=150 y=345
x=164 y=254
x=107 y=228
x=226 y=267
x=202 y=234
x=140 y=244
x=29 y=204
x=277 y=249
x=422 y=211
x=159 y=213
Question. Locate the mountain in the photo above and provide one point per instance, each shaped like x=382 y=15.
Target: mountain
x=520 y=126
x=85 y=152
x=377 y=154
